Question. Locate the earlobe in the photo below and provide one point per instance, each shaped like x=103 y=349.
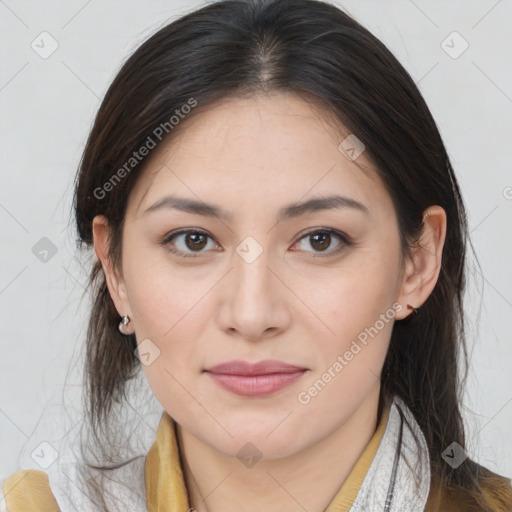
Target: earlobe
x=424 y=263
x=115 y=282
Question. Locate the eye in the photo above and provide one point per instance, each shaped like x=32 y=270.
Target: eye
x=194 y=240
x=321 y=239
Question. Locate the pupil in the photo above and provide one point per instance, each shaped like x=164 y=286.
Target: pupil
x=326 y=236
x=196 y=244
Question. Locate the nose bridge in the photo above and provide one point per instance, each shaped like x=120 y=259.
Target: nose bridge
x=252 y=306
x=251 y=262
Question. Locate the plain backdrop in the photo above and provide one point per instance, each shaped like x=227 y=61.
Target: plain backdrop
x=458 y=52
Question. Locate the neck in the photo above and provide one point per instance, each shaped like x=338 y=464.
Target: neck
x=306 y=480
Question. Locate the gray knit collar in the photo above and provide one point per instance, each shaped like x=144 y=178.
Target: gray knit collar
x=398 y=479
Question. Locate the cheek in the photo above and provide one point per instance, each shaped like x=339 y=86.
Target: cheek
x=355 y=315
x=353 y=298
x=168 y=308
x=163 y=298
x=351 y=353
x=169 y=312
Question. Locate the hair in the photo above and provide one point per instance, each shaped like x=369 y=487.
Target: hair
x=235 y=48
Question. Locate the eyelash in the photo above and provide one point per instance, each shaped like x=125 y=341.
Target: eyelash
x=346 y=241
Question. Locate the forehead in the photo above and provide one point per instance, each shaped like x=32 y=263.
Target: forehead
x=257 y=151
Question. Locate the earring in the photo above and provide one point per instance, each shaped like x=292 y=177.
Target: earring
x=408 y=318
x=414 y=310
x=125 y=320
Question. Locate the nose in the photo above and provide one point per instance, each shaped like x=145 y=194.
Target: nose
x=253 y=304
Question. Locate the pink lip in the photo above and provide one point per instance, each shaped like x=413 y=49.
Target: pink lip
x=239 y=367
x=255 y=379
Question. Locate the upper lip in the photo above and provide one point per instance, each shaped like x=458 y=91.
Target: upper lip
x=239 y=367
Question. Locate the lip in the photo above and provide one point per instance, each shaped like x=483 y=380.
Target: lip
x=239 y=367
x=255 y=379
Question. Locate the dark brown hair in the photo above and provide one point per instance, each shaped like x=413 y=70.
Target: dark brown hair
x=234 y=48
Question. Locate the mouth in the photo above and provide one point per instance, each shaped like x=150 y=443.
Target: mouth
x=255 y=379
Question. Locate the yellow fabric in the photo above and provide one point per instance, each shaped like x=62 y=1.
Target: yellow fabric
x=165 y=484
x=28 y=490
x=348 y=491
x=496 y=489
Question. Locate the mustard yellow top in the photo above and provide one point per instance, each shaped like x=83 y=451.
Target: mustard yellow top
x=165 y=484
x=29 y=490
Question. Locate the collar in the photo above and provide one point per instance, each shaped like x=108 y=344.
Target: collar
x=391 y=475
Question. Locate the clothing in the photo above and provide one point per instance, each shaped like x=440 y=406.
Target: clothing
x=155 y=482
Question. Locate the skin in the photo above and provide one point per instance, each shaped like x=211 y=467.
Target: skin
x=251 y=156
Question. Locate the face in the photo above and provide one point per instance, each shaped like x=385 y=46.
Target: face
x=316 y=288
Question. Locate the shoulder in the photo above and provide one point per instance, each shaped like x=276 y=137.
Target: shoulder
x=27 y=489
x=63 y=488
x=496 y=489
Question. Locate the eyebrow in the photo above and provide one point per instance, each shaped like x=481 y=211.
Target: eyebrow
x=285 y=213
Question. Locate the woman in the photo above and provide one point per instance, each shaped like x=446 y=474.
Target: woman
x=281 y=246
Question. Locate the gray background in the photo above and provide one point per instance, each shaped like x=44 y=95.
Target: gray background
x=47 y=107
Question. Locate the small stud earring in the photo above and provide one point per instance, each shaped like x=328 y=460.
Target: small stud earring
x=408 y=318
x=125 y=320
x=414 y=310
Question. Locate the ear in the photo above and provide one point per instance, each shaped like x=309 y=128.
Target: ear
x=423 y=266
x=115 y=281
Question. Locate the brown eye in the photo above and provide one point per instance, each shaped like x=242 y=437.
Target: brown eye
x=186 y=242
x=322 y=239
x=195 y=241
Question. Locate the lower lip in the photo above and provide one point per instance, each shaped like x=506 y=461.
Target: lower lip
x=256 y=385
